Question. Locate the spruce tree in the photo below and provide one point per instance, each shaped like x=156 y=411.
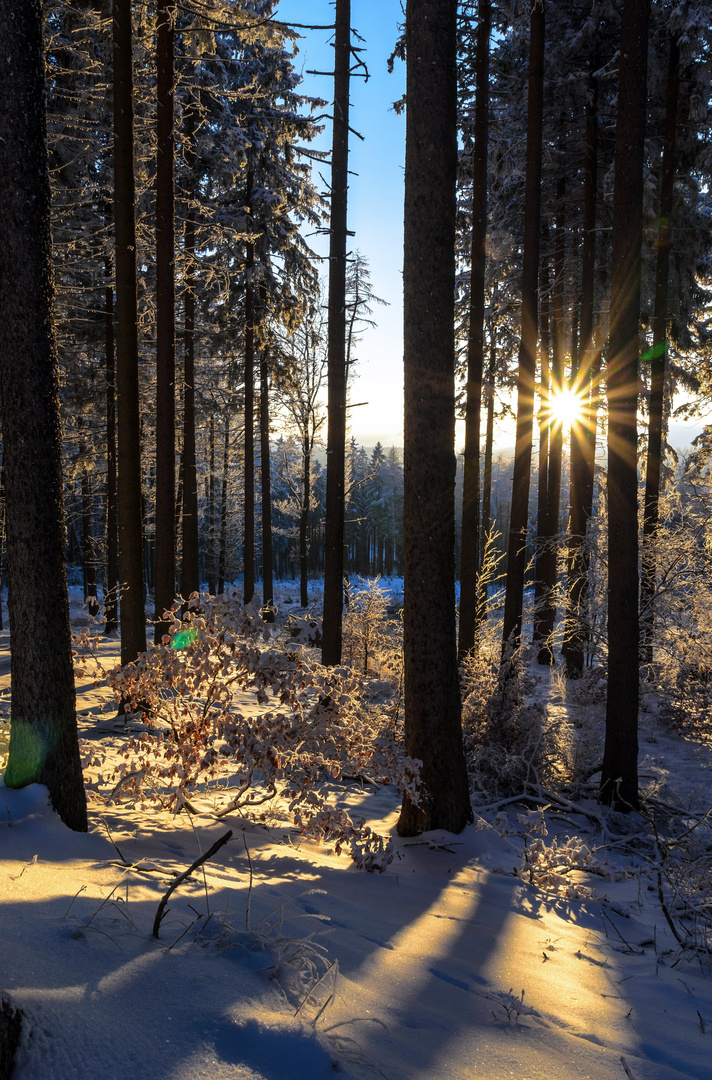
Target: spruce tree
x=516 y=554
x=619 y=776
x=336 y=436
x=131 y=571
x=43 y=734
x=432 y=694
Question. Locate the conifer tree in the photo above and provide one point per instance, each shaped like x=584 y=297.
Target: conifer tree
x=165 y=317
x=658 y=354
x=619 y=776
x=432 y=695
x=470 y=557
x=43 y=735
x=516 y=556
x=336 y=437
x=131 y=573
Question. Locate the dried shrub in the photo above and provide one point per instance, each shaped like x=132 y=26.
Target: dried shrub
x=679 y=682
x=314 y=727
x=372 y=632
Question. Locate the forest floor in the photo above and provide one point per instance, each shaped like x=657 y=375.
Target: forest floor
x=278 y=960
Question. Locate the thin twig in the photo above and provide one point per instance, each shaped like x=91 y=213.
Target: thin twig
x=333 y=965
x=666 y=913
x=186 y=874
x=249 y=887
x=624 y=1063
x=77 y=893
x=113 y=842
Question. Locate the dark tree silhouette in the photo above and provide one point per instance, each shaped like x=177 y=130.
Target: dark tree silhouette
x=432 y=695
x=165 y=584
x=111 y=596
x=336 y=337
x=547 y=538
x=658 y=357
x=189 y=572
x=470 y=557
x=619 y=777
x=43 y=735
x=516 y=559
x=584 y=378
x=133 y=613
x=248 y=547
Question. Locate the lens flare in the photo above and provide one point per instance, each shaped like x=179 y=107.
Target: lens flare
x=565 y=407
x=184 y=638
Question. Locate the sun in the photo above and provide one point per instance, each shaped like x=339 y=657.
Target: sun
x=565 y=407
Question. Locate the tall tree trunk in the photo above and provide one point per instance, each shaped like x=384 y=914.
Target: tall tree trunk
x=658 y=358
x=3 y=533
x=178 y=515
x=190 y=557
x=304 y=524
x=248 y=548
x=43 y=734
x=547 y=544
x=211 y=529
x=470 y=554
x=619 y=776
x=222 y=559
x=433 y=730
x=516 y=554
x=131 y=570
x=149 y=519
x=111 y=595
x=544 y=438
x=165 y=583
x=88 y=549
x=267 y=569
x=487 y=520
x=583 y=432
x=336 y=338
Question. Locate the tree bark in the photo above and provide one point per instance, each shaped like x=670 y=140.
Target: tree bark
x=88 y=546
x=190 y=557
x=248 y=549
x=165 y=576
x=547 y=543
x=267 y=568
x=470 y=553
x=111 y=596
x=336 y=343
x=304 y=523
x=658 y=358
x=583 y=433
x=544 y=438
x=487 y=520
x=43 y=734
x=11 y=1024
x=516 y=553
x=432 y=696
x=211 y=523
x=3 y=534
x=131 y=566
x=222 y=558
x=619 y=777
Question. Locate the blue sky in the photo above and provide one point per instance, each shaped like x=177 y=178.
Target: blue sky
x=375 y=212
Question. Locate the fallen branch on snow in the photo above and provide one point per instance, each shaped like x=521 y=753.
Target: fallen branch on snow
x=160 y=912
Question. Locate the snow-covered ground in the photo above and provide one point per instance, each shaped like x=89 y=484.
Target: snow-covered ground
x=278 y=960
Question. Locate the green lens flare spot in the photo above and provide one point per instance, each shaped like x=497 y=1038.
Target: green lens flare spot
x=657 y=350
x=185 y=638
x=25 y=757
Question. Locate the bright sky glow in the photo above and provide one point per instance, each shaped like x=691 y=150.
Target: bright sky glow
x=565 y=407
x=375 y=210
